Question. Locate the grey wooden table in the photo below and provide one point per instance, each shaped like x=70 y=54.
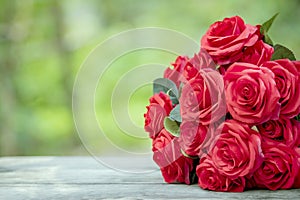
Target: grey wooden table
x=85 y=178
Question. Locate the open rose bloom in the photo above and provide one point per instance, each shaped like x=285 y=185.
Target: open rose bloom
x=227 y=117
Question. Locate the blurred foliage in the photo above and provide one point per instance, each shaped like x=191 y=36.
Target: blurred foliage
x=43 y=43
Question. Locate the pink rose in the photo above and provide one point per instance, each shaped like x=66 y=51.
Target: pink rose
x=257 y=54
x=236 y=150
x=283 y=130
x=192 y=137
x=175 y=73
x=251 y=93
x=279 y=168
x=210 y=178
x=288 y=83
x=160 y=107
x=173 y=165
x=225 y=40
x=202 y=98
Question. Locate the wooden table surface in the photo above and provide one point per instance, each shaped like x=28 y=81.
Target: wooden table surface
x=85 y=178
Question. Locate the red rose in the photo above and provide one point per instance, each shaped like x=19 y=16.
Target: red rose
x=297 y=179
x=284 y=130
x=251 y=93
x=203 y=60
x=223 y=68
x=190 y=71
x=236 y=149
x=200 y=60
x=179 y=171
x=173 y=165
x=162 y=139
x=192 y=137
x=225 y=40
x=160 y=107
x=202 y=98
x=210 y=178
x=295 y=142
x=288 y=83
x=279 y=168
x=257 y=54
x=250 y=183
x=175 y=73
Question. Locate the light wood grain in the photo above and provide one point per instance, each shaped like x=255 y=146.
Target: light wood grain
x=85 y=178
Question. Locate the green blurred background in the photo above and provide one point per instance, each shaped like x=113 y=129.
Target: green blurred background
x=44 y=42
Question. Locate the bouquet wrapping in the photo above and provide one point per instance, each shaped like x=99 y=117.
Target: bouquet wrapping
x=227 y=118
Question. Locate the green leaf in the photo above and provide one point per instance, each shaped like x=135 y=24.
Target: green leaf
x=167 y=86
x=265 y=28
x=175 y=114
x=188 y=156
x=267 y=39
x=297 y=118
x=281 y=52
x=267 y=25
x=172 y=127
x=193 y=177
x=254 y=128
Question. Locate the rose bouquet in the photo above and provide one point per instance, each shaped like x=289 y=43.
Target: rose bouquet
x=228 y=117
